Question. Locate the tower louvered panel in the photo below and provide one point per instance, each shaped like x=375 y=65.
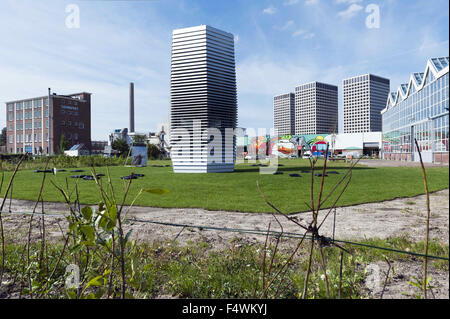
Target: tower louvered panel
x=203 y=100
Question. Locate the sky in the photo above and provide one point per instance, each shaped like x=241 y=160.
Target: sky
x=279 y=44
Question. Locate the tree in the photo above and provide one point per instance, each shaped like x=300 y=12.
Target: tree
x=121 y=146
x=153 y=152
x=63 y=144
x=138 y=139
x=3 y=137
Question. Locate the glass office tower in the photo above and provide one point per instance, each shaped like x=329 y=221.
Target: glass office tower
x=316 y=108
x=284 y=114
x=364 y=97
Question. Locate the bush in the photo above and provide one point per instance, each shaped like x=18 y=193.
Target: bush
x=121 y=146
x=153 y=152
x=62 y=161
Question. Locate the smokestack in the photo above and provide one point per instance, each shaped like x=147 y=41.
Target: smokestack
x=131 y=127
x=49 y=143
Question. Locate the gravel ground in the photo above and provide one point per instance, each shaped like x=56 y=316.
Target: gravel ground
x=386 y=163
x=404 y=216
x=400 y=274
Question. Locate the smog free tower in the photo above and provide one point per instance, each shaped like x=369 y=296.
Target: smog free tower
x=203 y=100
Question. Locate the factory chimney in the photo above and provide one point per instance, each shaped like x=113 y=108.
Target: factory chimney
x=131 y=127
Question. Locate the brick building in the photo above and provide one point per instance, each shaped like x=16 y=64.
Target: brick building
x=28 y=122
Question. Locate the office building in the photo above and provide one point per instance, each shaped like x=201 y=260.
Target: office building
x=316 y=108
x=34 y=127
x=284 y=114
x=419 y=109
x=364 y=97
x=203 y=100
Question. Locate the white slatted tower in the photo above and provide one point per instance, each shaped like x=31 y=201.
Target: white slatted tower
x=203 y=95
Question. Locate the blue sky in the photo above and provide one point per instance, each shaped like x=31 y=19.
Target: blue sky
x=279 y=45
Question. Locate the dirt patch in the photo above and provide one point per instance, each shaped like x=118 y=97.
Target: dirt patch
x=382 y=220
x=399 y=217
x=399 y=280
x=386 y=163
x=394 y=218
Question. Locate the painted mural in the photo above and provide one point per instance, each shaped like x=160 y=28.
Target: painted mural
x=288 y=145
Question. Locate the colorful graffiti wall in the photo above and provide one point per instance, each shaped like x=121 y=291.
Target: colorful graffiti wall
x=288 y=145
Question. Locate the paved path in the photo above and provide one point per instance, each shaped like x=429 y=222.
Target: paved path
x=386 y=163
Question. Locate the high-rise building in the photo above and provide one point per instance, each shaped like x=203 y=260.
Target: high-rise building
x=316 y=108
x=203 y=100
x=364 y=97
x=419 y=110
x=34 y=127
x=283 y=114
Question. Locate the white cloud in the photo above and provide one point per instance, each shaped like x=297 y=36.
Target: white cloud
x=348 y=1
x=431 y=45
x=291 y=2
x=270 y=10
x=304 y=34
x=258 y=75
x=298 y=32
x=94 y=58
x=309 y=35
x=351 y=11
x=311 y=2
x=286 y=26
x=260 y=79
x=236 y=39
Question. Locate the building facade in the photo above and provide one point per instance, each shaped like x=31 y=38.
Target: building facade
x=364 y=97
x=316 y=108
x=357 y=144
x=419 y=110
x=203 y=100
x=284 y=113
x=34 y=127
x=98 y=147
x=120 y=133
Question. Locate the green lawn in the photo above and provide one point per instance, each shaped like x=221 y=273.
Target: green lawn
x=238 y=191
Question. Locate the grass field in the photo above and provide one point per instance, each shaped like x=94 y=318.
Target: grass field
x=237 y=191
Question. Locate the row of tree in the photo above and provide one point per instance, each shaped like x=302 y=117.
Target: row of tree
x=64 y=143
x=120 y=145
x=3 y=137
